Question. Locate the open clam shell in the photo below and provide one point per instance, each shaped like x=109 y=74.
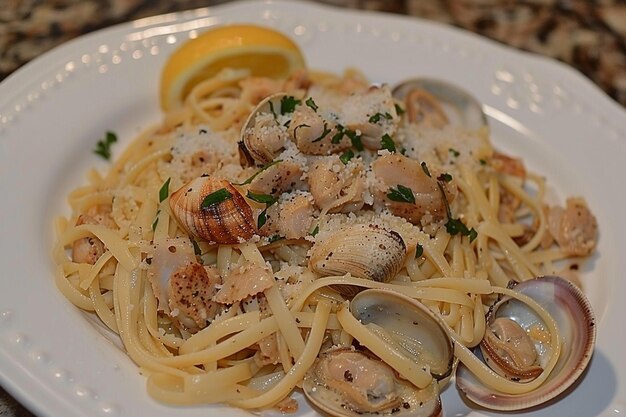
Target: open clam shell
x=262 y=138
x=409 y=325
x=347 y=382
x=350 y=383
x=437 y=103
x=576 y=324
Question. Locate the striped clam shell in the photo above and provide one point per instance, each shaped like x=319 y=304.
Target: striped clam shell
x=363 y=251
x=225 y=222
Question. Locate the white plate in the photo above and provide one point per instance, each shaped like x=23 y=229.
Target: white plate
x=53 y=111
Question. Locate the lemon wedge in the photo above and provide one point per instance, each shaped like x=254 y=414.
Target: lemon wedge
x=262 y=51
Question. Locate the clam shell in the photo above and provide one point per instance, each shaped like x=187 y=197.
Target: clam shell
x=576 y=323
x=332 y=399
x=255 y=148
x=414 y=327
x=364 y=251
x=459 y=107
x=226 y=222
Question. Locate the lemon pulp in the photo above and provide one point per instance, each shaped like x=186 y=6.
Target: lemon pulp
x=261 y=51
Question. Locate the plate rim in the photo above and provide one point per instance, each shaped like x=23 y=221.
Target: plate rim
x=37 y=68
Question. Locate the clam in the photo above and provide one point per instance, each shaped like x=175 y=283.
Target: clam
x=363 y=251
x=347 y=382
x=434 y=103
x=262 y=137
x=211 y=209
x=350 y=383
x=412 y=327
x=525 y=359
x=394 y=170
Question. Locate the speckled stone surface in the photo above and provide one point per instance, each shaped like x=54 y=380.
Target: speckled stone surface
x=590 y=35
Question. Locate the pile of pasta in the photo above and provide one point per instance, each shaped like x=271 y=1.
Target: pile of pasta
x=121 y=222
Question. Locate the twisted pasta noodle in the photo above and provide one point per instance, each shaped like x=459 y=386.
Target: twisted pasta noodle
x=299 y=314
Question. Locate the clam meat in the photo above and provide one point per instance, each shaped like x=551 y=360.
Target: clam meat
x=517 y=345
x=350 y=382
x=435 y=104
x=347 y=382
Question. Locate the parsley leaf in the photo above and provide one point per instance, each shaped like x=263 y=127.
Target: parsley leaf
x=103 y=147
x=164 y=191
x=262 y=219
x=419 y=251
x=399 y=109
x=274 y=238
x=455 y=226
x=339 y=135
x=216 y=197
x=402 y=194
x=355 y=139
x=288 y=104
x=376 y=117
x=156 y=220
x=388 y=143
x=425 y=168
x=309 y=102
x=315 y=231
x=346 y=156
x=262 y=198
x=263 y=168
x=445 y=177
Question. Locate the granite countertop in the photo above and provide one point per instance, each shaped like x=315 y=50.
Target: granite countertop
x=589 y=35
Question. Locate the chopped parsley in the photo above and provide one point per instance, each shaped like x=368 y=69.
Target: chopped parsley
x=376 y=117
x=262 y=219
x=315 y=231
x=402 y=194
x=454 y=152
x=156 y=220
x=445 y=177
x=355 y=139
x=387 y=143
x=266 y=199
x=288 y=104
x=164 y=191
x=346 y=156
x=339 y=135
x=324 y=133
x=103 y=147
x=455 y=226
x=263 y=168
x=309 y=102
x=216 y=197
x=419 y=251
x=274 y=238
x=425 y=168
x=482 y=162
x=262 y=198
x=399 y=109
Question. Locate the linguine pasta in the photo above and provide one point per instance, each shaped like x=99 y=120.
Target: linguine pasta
x=242 y=322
